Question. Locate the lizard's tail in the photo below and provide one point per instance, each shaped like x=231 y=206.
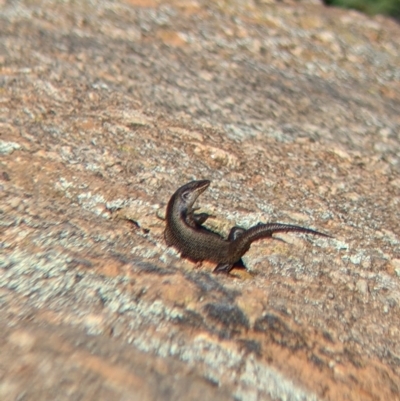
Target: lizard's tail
x=242 y=243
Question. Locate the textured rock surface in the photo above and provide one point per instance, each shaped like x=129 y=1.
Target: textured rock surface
x=291 y=109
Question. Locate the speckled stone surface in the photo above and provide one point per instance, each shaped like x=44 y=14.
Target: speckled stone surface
x=289 y=108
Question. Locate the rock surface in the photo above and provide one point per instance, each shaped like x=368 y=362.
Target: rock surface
x=291 y=109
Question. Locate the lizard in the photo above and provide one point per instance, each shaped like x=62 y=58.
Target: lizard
x=185 y=231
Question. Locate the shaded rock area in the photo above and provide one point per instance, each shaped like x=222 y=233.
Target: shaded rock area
x=290 y=109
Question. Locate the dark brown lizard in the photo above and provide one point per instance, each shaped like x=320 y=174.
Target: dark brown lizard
x=185 y=231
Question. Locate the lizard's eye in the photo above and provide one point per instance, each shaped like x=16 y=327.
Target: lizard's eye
x=185 y=196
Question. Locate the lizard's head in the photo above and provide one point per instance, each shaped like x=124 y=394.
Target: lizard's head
x=186 y=195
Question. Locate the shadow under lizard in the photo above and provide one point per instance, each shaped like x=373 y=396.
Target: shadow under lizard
x=185 y=232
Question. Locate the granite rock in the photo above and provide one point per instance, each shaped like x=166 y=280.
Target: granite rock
x=289 y=108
